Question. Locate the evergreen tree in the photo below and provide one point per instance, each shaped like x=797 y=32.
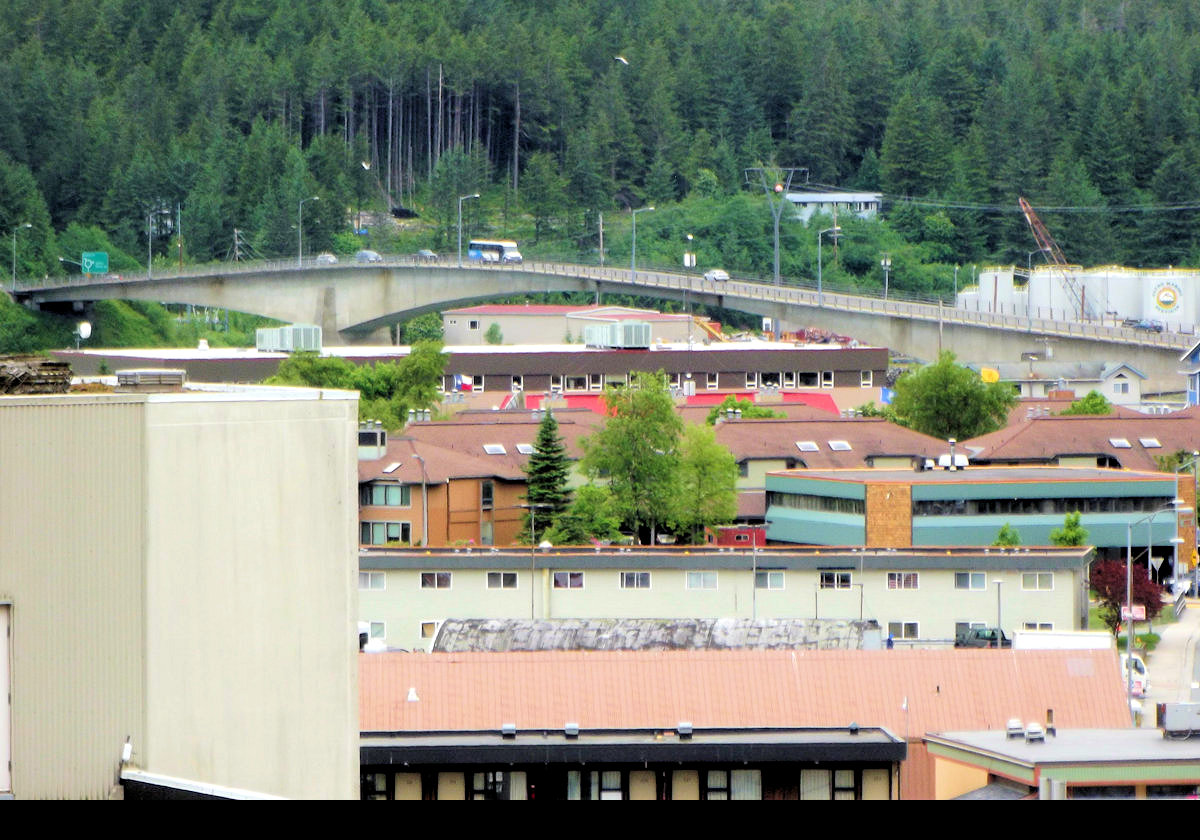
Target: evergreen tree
x=547 y=472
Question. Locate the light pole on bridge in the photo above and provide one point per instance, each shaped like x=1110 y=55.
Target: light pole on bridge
x=461 y=199
x=836 y=231
x=300 y=229
x=633 y=246
x=22 y=226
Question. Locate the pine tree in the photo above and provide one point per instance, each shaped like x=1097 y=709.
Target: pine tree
x=547 y=470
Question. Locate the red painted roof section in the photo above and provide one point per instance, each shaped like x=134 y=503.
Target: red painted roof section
x=516 y=308
x=944 y=689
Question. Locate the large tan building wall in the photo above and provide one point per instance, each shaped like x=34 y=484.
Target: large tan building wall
x=251 y=591
x=72 y=499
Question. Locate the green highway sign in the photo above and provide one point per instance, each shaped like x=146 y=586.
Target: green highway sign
x=94 y=262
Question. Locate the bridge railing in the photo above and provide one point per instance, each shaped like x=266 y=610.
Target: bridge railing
x=793 y=291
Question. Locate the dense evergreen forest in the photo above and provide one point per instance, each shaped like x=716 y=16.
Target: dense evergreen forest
x=121 y=119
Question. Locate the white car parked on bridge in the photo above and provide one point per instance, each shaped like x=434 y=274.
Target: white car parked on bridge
x=714 y=275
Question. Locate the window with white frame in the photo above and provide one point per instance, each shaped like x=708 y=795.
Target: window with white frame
x=767 y=579
x=835 y=580
x=807 y=379
x=752 y=379
x=635 y=580
x=769 y=378
x=428 y=629
x=577 y=383
x=789 y=379
x=865 y=378
x=1037 y=581
x=472 y=324
x=435 y=580
x=378 y=630
x=673 y=380
x=368 y=581
x=826 y=379
x=961 y=627
x=595 y=382
x=904 y=630
x=902 y=580
x=568 y=580
x=385 y=495
x=518 y=382
x=477 y=382
x=976 y=581
x=556 y=382
x=487 y=494
x=382 y=533
x=1038 y=625
x=501 y=580
x=701 y=580
x=710 y=381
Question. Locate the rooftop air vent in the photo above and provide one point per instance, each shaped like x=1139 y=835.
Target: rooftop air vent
x=151 y=380
x=1014 y=729
x=571 y=730
x=508 y=730
x=684 y=729
x=1034 y=733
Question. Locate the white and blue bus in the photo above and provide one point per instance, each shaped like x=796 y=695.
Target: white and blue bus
x=493 y=250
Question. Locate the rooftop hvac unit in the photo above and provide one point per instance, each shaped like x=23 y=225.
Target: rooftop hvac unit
x=290 y=339
x=151 y=379
x=623 y=335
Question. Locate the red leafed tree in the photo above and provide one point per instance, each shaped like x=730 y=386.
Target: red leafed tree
x=1108 y=581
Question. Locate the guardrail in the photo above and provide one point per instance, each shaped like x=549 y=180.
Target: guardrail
x=792 y=291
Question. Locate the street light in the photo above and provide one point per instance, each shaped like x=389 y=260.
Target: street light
x=1177 y=506
x=886 y=263
x=461 y=199
x=999 y=622
x=533 y=508
x=424 y=503
x=23 y=226
x=633 y=247
x=300 y=229
x=836 y=231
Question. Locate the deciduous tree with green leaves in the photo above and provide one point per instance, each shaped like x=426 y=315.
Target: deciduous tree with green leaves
x=749 y=410
x=707 y=485
x=1007 y=536
x=1093 y=403
x=1071 y=533
x=637 y=451
x=947 y=400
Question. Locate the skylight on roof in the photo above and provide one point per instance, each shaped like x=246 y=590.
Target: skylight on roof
x=1119 y=443
x=392 y=467
x=1150 y=443
x=495 y=449
x=807 y=445
x=525 y=448
x=839 y=445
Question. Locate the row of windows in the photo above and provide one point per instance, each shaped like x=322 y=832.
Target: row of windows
x=984 y=507
x=754 y=380
x=808 y=501
x=385 y=495
x=763 y=579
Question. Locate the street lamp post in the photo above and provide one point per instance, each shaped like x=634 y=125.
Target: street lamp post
x=836 y=231
x=23 y=226
x=633 y=245
x=461 y=199
x=886 y=263
x=999 y=620
x=300 y=229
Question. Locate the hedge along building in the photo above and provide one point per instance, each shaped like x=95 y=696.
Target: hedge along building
x=968 y=507
x=1108 y=293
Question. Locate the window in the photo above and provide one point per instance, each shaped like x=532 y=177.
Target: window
x=807 y=446
x=835 y=580
x=1038 y=625
x=518 y=382
x=961 y=627
x=752 y=380
x=807 y=378
x=525 y=448
x=494 y=449
x=711 y=381
x=743 y=469
x=556 y=382
x=477 y=382
x=673 y=380
x=577 y=383
x=372 y=580
x=595 y=382
x=789 y=379
x=701 y=580
x=385 y=495
x=865 y=378
x=378 y=630
x=716 y=784
x=1120 y=387
x=568 y=580
x=472 y=325
x=970 y=580
x=844 y=786
x=382 y=533
x=595 y=784
x=1119 y=443
x=435 y=580
x=501 y=580
x=487 y=490
x=498 y=784
x=428 y=629
x=1150 y=443
x=839 y=446
x=826 y=379
x=904 y=630
x=768 y=580
x=1037 y=581
x=902 y=580
x=635 y=580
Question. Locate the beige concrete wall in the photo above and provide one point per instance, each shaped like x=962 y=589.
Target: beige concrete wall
x=935 y=604
x=72 y=519
x=251 y=593
x=952 y=779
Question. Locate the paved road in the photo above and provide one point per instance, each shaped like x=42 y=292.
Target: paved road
x=1174 y=665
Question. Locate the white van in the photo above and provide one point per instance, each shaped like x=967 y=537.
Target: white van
x=1141 y=674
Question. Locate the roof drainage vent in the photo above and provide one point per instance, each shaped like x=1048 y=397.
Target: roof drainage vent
x=571 y=730
x=1014 y=728
x=508 y=730
x=151 y=380
x=684 y=729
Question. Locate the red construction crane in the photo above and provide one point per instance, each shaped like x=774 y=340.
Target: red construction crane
x=1054 y=256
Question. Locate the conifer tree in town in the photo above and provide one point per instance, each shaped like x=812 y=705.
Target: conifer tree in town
x=547 y=470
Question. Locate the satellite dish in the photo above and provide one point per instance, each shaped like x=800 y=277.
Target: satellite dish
x=84 y=330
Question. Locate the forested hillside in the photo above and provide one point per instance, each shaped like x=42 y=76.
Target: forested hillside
x=123 y=117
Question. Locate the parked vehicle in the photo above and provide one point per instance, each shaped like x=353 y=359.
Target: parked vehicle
x=326 y=259
x=714 y=275
x=1063 y=640
x=425 y=255
x=1141 y=674
x=367 y=256
x=1150 y=324
x=982 y=637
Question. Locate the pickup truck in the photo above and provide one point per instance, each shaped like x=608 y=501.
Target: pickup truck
x=982 y=637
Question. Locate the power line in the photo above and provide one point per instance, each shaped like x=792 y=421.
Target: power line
x=1013 y=208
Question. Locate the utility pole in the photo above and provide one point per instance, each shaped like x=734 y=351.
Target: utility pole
x=776 y=181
